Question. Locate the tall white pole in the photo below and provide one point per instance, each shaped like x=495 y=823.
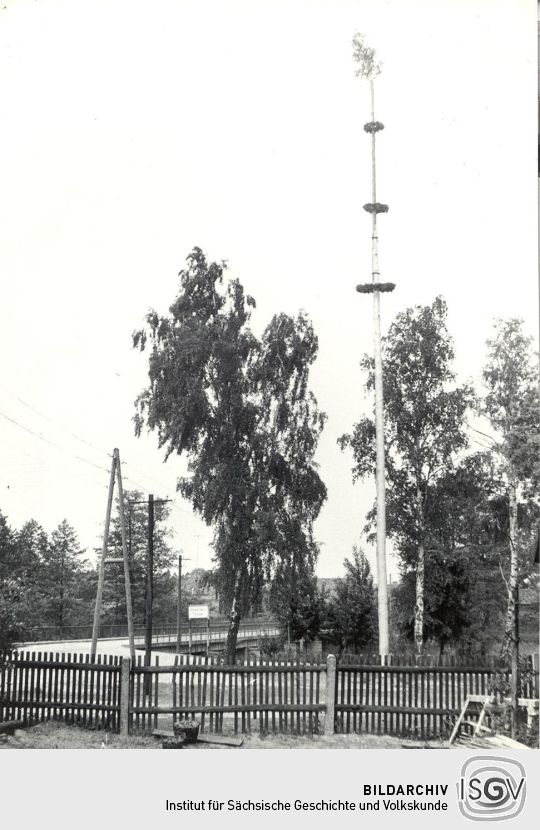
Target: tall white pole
x=368 y=68
x=382 y=590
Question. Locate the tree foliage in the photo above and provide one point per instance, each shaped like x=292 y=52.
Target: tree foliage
x=61 y=561
x=136 y=518
x=511 y=401
x=364 y=56
x=240 y=409
x=511 y=404
x=352 y=611
x=296 y=602
x=424 y=431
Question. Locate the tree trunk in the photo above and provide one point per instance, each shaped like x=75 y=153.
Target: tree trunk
x=234 y=623
x=420 y=574
x=510 y=643
x=419 y=604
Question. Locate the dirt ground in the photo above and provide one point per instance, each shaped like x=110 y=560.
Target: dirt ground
x=63 y=736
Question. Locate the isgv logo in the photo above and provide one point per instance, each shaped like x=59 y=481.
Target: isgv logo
x=491 y=788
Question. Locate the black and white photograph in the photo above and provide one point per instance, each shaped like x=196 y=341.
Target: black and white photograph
x=269 y=389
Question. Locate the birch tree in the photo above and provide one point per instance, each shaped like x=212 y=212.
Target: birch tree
x=424 y=432
x=511 y=405
x=240 y=409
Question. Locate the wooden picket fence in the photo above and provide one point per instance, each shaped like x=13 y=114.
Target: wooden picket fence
x=269 y=697
x=255 y=695
x=413 y=700
x=348 y=658
x=39 y=686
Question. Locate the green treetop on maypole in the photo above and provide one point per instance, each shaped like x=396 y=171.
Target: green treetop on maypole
x=364 y=56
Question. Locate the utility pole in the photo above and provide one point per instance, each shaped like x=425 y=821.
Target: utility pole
x=126 y=561
x=149 y=584
x=116 y=471
x=369 y=69
x=179 y=604
x=101 y=574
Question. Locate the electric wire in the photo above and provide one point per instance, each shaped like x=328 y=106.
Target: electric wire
x=52 y=421
x=47 y=466
x=57 y=446
x=51 y=443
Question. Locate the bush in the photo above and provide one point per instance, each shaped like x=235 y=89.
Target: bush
x=12 y=628
x=270 y=646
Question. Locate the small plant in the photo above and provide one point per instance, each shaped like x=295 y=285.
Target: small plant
x=498 y=686
x=270 y=646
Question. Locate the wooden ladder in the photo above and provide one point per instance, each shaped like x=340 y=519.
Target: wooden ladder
x=474 y=705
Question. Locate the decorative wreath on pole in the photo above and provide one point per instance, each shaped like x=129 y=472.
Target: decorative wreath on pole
x=373 y=126
x=371 y=287
x=376 y=207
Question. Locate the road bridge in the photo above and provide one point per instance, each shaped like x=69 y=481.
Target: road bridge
x=164 y=637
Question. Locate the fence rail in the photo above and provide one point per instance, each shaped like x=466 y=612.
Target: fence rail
x=277 y=697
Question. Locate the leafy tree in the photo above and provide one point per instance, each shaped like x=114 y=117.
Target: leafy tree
x=296 y=602
x=30 y=547
x=424 y=432
x=511 y=405
x=466 y=558
x=447 y=613
x=13 y=606
x=352 y=612
x=8 y=559
x=164 y=585
x=12 y=627
x=60 y=571
x=240 y=409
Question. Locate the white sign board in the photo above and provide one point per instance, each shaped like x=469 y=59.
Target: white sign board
x=198 y=612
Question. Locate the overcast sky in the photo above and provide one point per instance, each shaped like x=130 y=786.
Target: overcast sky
x=132 y=131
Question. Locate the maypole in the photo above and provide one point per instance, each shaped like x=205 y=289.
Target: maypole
x=369 y=68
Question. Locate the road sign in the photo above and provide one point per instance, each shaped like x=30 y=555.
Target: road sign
x=198 y=612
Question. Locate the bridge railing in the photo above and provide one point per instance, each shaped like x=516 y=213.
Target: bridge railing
x=162 y=632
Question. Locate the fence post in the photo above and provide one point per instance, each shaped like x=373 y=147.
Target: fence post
x=329 y=719
x=124 y=695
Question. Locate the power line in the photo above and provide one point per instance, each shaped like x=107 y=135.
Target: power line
x=51 y=443
x=83 y=441
x=137 y=484
x=146 y=475
x=52 y=421
x=52 y=468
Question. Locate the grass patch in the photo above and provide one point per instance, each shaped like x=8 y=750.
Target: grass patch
x=54 y=735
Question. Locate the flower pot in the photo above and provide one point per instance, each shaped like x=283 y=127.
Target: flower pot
x=187 y=729
x=173 y=743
